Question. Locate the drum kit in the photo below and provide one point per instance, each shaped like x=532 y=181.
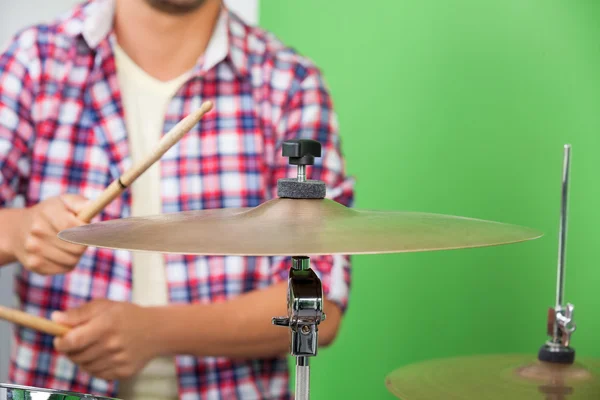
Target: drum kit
x=302 y=223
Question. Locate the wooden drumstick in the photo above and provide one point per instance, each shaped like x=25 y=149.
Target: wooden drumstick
x=119 y=185
x=33 y=322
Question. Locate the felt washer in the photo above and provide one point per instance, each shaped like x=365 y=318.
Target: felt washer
x=293 y=189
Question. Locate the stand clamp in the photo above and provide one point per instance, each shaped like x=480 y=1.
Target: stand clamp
x=305 y=313
x=560 y=328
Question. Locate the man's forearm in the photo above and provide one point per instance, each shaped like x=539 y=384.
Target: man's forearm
x=240 y=328
x=9 y=221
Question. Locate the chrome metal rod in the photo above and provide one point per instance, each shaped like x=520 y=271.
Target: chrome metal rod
x=562 y=234
x=302 y=378
x=301 y=173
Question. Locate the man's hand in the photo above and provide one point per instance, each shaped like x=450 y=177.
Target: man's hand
x=110 y=340
x=36 y=244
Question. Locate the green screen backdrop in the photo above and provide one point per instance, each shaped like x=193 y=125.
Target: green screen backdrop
x=459 y=107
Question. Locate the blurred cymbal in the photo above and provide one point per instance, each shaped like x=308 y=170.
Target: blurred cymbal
x=290 y=227
x=496 y=377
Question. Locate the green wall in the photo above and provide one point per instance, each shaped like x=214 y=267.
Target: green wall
x=459 y=107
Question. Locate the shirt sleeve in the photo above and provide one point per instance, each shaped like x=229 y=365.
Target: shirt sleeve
x=308 y=114
x=16 y=127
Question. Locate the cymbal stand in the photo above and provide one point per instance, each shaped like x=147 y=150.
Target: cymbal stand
x=560 y=318
x=305 y=291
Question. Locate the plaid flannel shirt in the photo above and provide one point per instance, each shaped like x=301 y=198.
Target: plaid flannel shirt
x=62 y=130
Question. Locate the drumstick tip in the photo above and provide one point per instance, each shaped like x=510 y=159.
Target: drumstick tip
x=198 y=113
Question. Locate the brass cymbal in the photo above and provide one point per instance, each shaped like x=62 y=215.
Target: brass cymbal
x=496 y=377
x=289 y=227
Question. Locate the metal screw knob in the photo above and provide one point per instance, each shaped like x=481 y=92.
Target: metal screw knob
x=301 y=151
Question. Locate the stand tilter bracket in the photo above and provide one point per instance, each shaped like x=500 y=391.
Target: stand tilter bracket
x=305 y=292
x=305 y=313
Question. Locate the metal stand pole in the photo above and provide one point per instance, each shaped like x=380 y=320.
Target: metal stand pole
x=305 y=313
x=560 y=318
x=302 y=378
x=562 y=239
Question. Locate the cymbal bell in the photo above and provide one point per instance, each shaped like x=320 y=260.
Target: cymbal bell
x=496 y=377
x=288 y=227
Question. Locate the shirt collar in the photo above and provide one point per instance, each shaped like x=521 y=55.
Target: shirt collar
x=228 y=42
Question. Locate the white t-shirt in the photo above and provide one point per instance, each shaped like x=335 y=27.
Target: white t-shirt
x=145 y=100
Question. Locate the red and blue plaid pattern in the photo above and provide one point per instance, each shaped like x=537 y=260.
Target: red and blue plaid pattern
x=62 y=130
